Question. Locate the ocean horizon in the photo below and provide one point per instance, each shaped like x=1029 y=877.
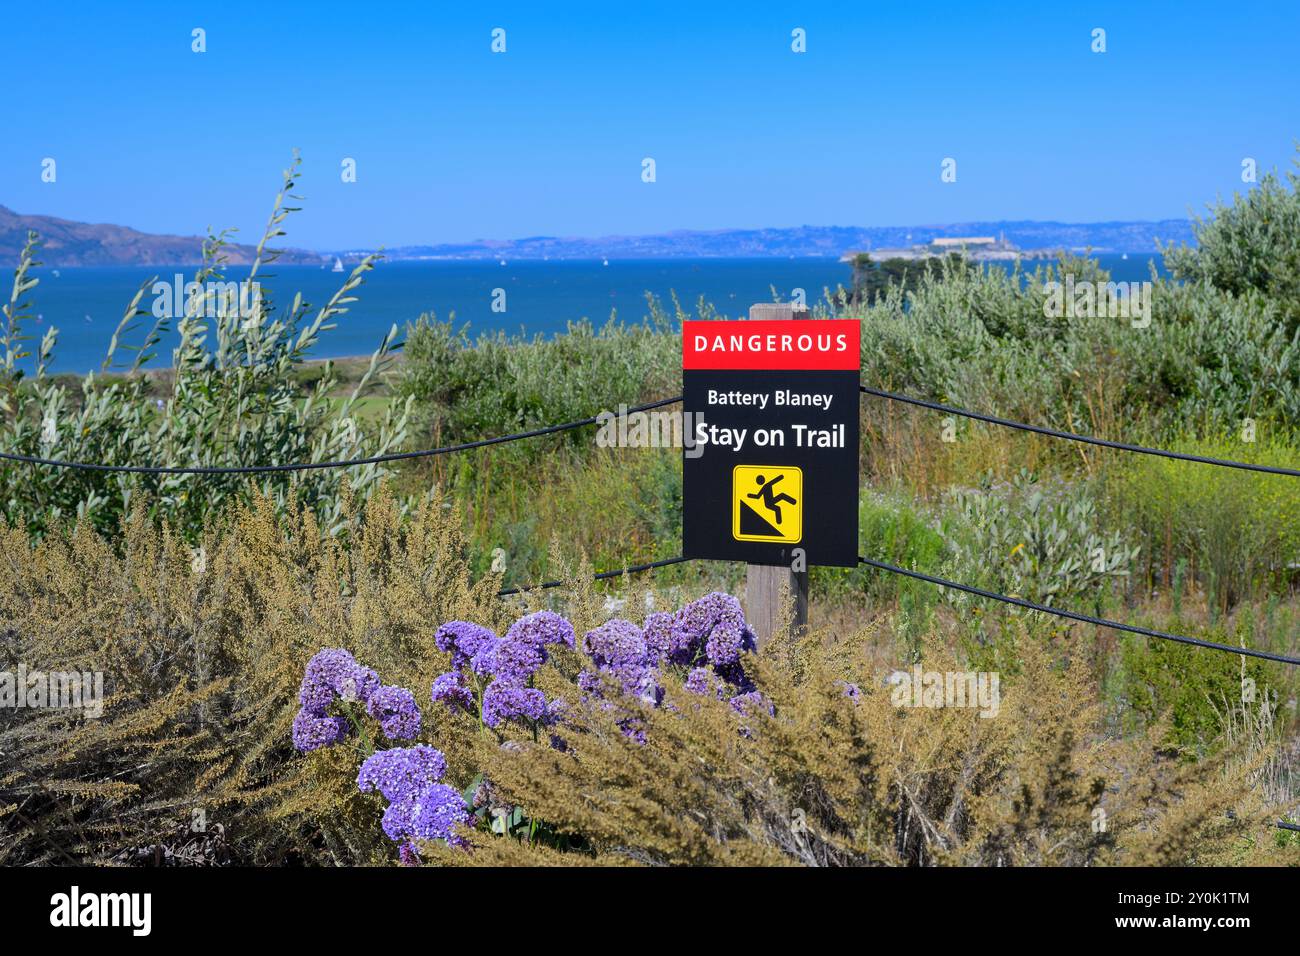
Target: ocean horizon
x=541 y=297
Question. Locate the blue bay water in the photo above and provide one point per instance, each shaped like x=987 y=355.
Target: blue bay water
x=542 y=297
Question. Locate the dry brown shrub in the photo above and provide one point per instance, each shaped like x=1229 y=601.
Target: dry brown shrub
x=201 y=672
x=826 y=780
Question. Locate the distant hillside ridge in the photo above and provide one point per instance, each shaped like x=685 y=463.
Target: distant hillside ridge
x=802 y=241
x=67 y=244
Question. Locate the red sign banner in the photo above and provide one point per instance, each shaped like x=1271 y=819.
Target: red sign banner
x=773 y=344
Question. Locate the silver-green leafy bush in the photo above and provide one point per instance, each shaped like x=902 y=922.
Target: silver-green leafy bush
x=1044 y=544
x=233 y=400
x=1252 y=244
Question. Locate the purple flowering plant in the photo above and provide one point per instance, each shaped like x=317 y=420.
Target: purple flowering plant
x=335 y=695
x=704 y=641
x=494 y=677
x=493 y=680
x=336 y=691
x=420 y=807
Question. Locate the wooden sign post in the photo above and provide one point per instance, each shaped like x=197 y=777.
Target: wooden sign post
x=766 y=586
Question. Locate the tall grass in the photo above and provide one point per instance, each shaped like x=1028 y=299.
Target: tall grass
x=1237 y=532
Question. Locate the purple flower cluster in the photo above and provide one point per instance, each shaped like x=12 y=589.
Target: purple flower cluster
x=708 y=636
x=504 y=701
x=620 y=648
x=419 y=807
x=713 y=627
x=541 y=628
x=507 y=664
x=334 y=675
x=495 y=674
x=311 y=732
x=463 y=640
x=450 y=689
x=396 y=711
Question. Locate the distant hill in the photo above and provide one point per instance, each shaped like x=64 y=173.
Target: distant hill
x=799 y=241
x=67 y=243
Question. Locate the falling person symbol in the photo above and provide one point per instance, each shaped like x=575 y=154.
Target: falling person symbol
x=771 y=501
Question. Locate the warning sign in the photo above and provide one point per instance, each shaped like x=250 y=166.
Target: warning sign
x=770 y=464
x=767 y=503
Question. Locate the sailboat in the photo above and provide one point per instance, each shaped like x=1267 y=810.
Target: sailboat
x=338 y=265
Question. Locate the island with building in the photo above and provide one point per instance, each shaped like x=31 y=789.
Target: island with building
x=971 y=248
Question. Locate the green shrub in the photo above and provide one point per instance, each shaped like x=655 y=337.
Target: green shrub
x=465 y=390
x=1251 y=244
x=1186 y=686
x=233 y=399
x=872 y=279
x=1044 y=542
x=980 y=339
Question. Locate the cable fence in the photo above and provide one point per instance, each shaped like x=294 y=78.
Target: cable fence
x=605 y=575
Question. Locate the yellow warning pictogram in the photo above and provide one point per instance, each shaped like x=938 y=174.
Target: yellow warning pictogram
x=767 y=503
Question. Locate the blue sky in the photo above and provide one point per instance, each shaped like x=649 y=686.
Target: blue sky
x=453 y=142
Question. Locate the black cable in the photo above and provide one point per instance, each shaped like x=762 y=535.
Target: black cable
x=599 y=577
x=1071 y=436
x=308 y=466
x=1076 y=616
